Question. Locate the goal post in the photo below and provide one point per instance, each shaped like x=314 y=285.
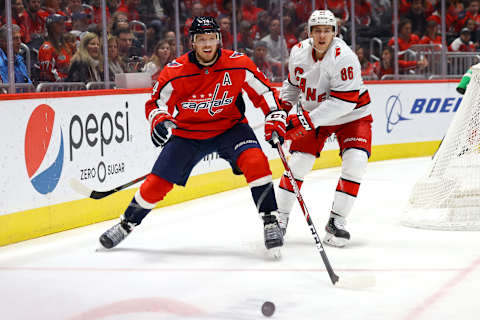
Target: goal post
x=447 y=197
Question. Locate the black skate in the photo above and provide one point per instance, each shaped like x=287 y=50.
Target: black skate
x=337 y=235
x=113 y=236
x=273 y=235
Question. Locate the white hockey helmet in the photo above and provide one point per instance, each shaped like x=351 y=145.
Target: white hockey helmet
x=322 y=18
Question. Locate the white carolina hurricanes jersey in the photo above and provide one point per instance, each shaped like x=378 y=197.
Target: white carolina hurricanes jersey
x=331 y=89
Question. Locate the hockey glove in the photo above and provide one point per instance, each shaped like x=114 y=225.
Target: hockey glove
x=275 y=121
x=159 y=125
x=299 y=124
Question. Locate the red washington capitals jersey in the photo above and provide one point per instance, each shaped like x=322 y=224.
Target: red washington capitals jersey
x=207 y=101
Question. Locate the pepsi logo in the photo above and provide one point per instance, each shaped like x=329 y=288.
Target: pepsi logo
x=43 y=149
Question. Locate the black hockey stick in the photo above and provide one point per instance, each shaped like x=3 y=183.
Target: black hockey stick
x=95 y=194
x=333 y=277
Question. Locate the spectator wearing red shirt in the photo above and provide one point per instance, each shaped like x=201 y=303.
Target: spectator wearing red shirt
x=197 y=11
x=472 y=12
x=19 y=17
x=289 y=28
x=54 y=55
x=53 y=6
x=250 y=12
x=36 y=17
x=245 y=38
x=431 y=34
x=386 y=64
x=462 y=43
x=272 y=70
x=227 y=38
x=453 y=22
x=368 y=68
x=97 y=12
x=130 y=9
x=405 y=36
x=363 y=13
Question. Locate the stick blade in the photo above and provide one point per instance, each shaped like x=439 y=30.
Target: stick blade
x=356 y=283
x=80 y=188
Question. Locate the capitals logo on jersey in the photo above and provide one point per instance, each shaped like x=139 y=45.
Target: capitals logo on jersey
x=210 y=103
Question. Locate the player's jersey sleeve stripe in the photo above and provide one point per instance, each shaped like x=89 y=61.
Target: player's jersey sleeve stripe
x=262 y=89
x=347 y=96
x=363 y=99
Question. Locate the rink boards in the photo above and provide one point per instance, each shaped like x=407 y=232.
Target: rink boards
x=101 y=138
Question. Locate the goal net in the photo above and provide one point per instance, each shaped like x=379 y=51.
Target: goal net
x=448 y=196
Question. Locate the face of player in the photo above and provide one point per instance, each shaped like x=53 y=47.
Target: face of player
x=205 y=46
x=322 y=37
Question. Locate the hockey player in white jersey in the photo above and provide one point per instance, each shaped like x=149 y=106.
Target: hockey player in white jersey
x=325 y=95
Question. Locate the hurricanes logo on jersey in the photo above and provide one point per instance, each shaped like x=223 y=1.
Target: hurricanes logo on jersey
x=209 y=103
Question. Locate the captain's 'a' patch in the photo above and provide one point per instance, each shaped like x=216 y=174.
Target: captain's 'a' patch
x=226 y=80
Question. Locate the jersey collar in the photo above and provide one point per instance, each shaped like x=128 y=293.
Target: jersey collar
x=193 y=59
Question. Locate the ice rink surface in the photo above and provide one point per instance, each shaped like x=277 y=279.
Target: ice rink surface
x=205 y=259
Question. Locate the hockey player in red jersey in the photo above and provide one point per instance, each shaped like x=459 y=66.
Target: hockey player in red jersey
x=326 y=88
x=199 y=96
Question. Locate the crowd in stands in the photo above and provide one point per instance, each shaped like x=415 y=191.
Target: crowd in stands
x=64 y=37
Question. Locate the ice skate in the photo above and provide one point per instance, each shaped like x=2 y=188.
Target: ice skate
x=337 y=235
x=113 y=236
x=273 y=235
x=283 y=221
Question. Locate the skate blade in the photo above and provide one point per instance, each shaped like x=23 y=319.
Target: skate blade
x=356 y=283
x=333 y=241
x=275 y=253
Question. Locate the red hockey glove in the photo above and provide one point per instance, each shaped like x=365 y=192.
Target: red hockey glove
x=159 y=124
x=299 y=125
x=285 y=105
x=275 y=121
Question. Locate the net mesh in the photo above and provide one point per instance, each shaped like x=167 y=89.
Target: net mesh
x=448 y=196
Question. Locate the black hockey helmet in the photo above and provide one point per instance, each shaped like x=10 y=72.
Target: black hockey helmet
x=203 y=24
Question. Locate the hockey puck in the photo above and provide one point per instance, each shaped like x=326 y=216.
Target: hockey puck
x=268 y=308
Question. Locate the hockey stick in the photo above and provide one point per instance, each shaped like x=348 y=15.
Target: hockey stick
x=333 y=277
x=349 y=283
x=95 y=194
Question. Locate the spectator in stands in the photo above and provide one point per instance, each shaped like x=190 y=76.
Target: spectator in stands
x=161 y=56
x=368 y=68
x=79 y=24
x=416 y=14
x=245 y=38
x=119 y=21
x=474 y=33
x=87 y=63
x=272 y=70
x=20 y=69
x=260 y=28
x=225 y=30
x=97 y=12
x=129 y=7
x=54 y=55
x=405 y=36
x=154 y=33
x=302 y=32
x=159 y=11
x=19 y=17
x=36 y=23
x=250 y=11
x=197 y=11
x=277 y=46
x=472 y=12
x=113 y=5
x=53 y=6
x=130 y=52
x=452 y=21
x=289 y=28
x=431 y=34
x=386 y=64
x=114 y=64
x=462 y=43
x=363 y=13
